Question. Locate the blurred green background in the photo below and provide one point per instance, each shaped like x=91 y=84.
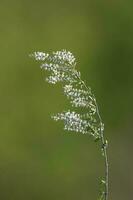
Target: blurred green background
x=38 y=160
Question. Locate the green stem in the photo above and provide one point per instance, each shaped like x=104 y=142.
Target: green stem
x=104 y=145
x=104 y=149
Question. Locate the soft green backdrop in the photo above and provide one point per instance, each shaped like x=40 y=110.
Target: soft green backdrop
x=38 y=160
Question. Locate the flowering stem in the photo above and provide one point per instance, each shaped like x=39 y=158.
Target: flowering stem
x=62 y=64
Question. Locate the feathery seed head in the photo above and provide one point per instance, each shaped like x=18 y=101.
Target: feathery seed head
x=61 y=66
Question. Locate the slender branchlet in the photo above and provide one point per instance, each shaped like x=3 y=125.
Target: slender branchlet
x=61 y=67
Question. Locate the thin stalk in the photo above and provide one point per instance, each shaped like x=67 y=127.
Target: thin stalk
x=104 y=145
x=104 y=149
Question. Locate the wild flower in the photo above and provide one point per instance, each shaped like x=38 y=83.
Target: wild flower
x=61 y=67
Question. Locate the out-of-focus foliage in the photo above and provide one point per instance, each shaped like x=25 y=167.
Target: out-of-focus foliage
x=37 y=159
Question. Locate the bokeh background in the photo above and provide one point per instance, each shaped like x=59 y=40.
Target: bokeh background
x=38 y=160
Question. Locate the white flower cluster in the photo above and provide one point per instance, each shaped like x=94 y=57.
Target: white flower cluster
x=61 y=66
x=63 y=57
x=79 y=97
x=40 y=55
x=72 y=121
x=59 y=75
x=60 y=57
